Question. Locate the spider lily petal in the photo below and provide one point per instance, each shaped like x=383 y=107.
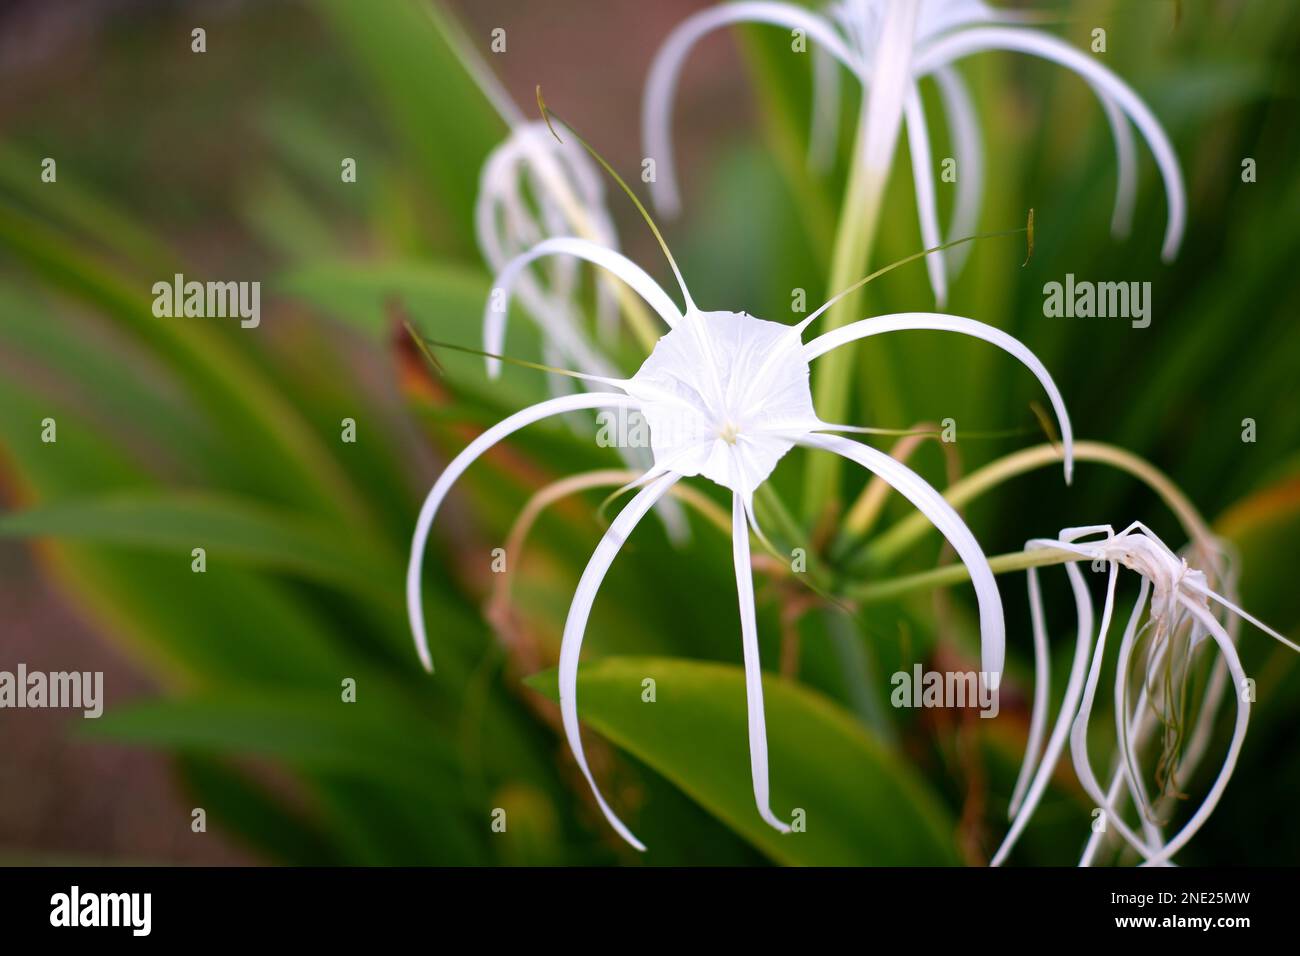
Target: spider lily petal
x=915 y=489
x=1180 y=612
x=656 y=114
x=726 y=396
x=576 y=625
x=823 y=136
x=1124 y=736
x=1230 y=657
x=1079 y=728
x=969 y=152
x=889 y=45
x=1242 y=613
x=567 y=198
x=918 y=138
x=1042 y=691
x=964 y=134
x=1056 y=743
x=753 y=670
x=1125 y=166
x=932 y=321
x=1079 y=749
x=888 y=84
x=980 y=39
x=456 y=467
x=494 y=314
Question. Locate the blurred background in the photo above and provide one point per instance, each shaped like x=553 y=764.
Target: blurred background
x=223 y=688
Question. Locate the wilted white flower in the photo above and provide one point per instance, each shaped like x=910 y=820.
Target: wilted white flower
x=1178 y=614
x=890 y=46
x=726 y=395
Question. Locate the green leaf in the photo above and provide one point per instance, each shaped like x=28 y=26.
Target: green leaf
x=262 y=818
x=250 y=533
x=308 y=731
x=408 y=53
x=444 y=300
x=863 y=806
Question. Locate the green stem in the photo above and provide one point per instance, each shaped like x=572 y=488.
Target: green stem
x=879 y=122
x=859 y=217
x=911 y=529
x=950 y=574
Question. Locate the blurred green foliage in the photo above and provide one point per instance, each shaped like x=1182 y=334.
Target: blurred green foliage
x=175 y=434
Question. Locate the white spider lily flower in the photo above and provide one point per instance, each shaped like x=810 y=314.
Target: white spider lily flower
x=1182 y=614
x=535 y=188
x=567 y=197
x=890 y=46
x=726 y=395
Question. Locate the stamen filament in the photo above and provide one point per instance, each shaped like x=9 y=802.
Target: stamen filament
x=548 y=114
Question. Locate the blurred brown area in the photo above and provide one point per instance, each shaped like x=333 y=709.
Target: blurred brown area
x=66 y=799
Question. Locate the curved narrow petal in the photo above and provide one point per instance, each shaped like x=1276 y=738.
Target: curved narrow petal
x=888 y=81
x=1124 y=732
x=1211 y=800
x=824 y=134
x=963 y=43
x=1241 y=612
x=963 y=130
x=567 y=337
x=941 y=514
x=938 y=322
x=1042 y=692
x=753 y=670
x=456 y=467
x=1056 y=743
x=1079 y=732
x=1121 y=220
x=918 y=142
x=1140 y=721
x=661 y=84
x=1201 y=736
x=576 y=625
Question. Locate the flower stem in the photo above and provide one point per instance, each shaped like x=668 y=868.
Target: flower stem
x=905 y=533
x=950 y=574
x=873 y=151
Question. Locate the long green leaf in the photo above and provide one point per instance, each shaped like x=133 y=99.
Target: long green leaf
x=250 y=533
x=862 y=806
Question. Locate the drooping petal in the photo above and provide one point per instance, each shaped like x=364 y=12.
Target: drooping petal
x=1121 y=220
x=1123 y=732
x=941 y=514
x=575 y=627
x=963 y=130
x=753 y=670
x=888 y=83
x=1140 y=721
x=1079 y=732
x=565 y=336
x=661 y=84
x=823 y=137
x=938 y=322
x=918 y=139
x=963 y=43
x=1042 y=692
x=456 y=467
x=1211 y=800
x=1056 y=743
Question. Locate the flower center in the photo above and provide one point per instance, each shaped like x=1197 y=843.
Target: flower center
x=727 y=396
